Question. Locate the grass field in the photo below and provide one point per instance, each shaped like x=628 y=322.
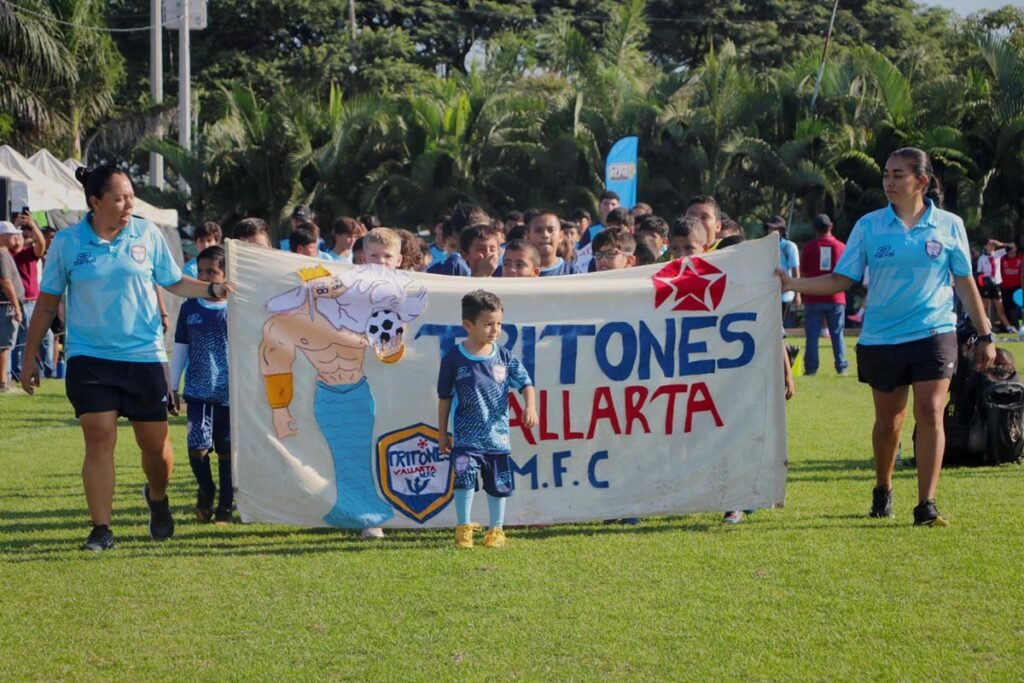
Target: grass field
x=810 y=592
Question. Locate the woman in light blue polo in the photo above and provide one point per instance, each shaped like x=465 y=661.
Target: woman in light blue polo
x=107 y=265
x=917 y=254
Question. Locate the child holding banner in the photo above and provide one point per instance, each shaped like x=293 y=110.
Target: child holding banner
x=201 y=343
x=479 y=373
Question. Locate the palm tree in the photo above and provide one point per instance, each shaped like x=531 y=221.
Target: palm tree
x=32 y=58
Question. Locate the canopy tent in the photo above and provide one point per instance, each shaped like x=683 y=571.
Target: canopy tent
x=45 y=183
x=29 y=187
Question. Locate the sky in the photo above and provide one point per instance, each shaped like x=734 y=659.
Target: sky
x=965 y=7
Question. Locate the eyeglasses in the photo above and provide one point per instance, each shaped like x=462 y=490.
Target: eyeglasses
x=609 y=255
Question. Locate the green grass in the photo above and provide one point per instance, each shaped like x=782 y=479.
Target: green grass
x=810 y=592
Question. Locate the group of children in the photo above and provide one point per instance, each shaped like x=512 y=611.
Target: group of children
x=477 y=374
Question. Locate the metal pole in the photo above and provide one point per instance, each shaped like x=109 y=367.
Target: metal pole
x=156 y=84
x=824 y=56
x=184 y=84
x=351 y=20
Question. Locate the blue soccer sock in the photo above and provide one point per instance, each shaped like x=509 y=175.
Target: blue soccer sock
x=463 y=505
x=496 y=508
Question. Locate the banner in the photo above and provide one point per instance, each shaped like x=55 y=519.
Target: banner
x=620 y=171
x=660 y=389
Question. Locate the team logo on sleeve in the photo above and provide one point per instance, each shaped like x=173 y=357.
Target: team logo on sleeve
x=690 y=284
x=933 y=248
x=415 y=476
x=138 y=253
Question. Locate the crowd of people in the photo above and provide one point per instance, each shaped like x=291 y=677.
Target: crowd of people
x=109 y=268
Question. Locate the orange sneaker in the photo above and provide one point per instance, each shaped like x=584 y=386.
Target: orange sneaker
x=495 y=538
x=464 y=536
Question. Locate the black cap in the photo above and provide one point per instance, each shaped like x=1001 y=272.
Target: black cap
x=776 y=222
x=301 y=212
x=821 y=222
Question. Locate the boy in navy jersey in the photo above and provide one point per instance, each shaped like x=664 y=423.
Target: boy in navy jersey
x=479 y=373
x=201 y=343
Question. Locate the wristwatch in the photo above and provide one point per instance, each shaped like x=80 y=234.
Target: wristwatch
x=985 y=337
x=209 y=291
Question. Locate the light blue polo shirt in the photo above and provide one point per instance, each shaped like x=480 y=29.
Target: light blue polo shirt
x=789 y=259
x=111 y=309
x=191 y=268
x=911 y=294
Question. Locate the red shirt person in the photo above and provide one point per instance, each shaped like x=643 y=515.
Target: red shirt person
x=1011 y=271
x=819 y=257
x=28 y=250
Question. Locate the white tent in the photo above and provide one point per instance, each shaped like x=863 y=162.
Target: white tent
x=51 y=184
x=30 y=187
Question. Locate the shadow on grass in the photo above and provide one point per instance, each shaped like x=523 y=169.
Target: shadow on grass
x=206 y=540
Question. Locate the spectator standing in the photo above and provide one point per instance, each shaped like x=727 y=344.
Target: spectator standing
x=990 y=280
x=11 y=294
x=1011 y=268
x=789 y=262
x=28 y=247
x=820 y=257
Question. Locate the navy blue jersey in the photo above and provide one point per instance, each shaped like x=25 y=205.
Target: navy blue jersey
x=480 y=386
x=453 y=265
x=204 y=327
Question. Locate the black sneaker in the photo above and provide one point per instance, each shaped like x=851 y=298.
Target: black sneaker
x=926 y=514
x=100 y=538
x=204 y=505
x=161 y=522
x=222 y=516
x=881 y=502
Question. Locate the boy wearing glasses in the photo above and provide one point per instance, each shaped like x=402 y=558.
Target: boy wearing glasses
x=614 y=249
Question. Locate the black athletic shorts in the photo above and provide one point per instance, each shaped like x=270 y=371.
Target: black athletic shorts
x=137 y=391
x=888 y=366
x=988 y=288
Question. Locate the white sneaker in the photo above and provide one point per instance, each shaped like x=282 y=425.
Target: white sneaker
x=372 y=532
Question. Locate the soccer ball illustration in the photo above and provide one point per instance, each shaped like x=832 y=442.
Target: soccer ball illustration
x=385 y=331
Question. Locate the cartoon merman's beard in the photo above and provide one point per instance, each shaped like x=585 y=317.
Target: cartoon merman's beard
x=367 y=288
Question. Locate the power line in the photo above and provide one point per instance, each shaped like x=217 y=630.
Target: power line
x=89 y=27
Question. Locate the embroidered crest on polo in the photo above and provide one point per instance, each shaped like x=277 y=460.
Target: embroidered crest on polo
x=933 y=248
x=84 y=257
x=138 y=253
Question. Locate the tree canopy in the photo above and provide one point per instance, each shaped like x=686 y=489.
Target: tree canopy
x=514 y=104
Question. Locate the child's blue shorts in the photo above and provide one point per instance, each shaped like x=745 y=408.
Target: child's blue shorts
x=209 y=427
x=496 y=469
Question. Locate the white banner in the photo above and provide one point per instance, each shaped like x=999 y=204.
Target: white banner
x=660 y=390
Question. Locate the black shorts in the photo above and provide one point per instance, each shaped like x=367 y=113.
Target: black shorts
x=888 y=366
x=137 y=391
x=988 y=289
x=494 y=468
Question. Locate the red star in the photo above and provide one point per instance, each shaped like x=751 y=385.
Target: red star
x=422 y=444
x=692 y=283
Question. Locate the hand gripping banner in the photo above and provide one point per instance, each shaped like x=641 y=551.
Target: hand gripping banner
x=660 y=389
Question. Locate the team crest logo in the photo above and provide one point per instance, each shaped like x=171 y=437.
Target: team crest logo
x=415 y=476
x=138 y=253
x=500 y=373
x=689 y=284
x=933 y=248
x=84 y=257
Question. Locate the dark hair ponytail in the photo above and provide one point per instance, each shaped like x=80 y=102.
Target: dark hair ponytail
x=96 y=181
x=921 y=166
